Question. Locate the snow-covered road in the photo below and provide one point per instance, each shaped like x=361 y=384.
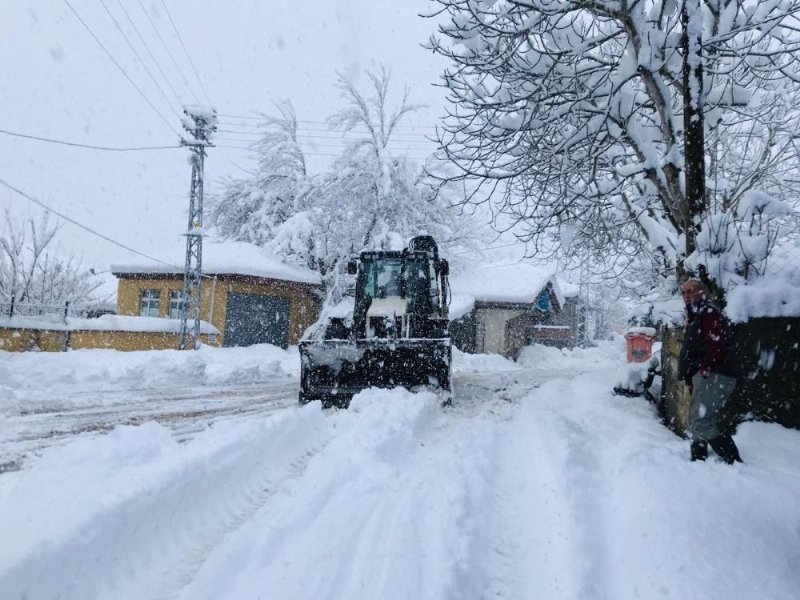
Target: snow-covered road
x=186 y=412
x=537 y=483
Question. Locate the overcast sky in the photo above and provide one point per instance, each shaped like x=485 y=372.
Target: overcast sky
x=56 y=81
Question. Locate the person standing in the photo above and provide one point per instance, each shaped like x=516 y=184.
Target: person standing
x=705 y=367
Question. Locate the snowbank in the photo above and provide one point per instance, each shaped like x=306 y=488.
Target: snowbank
x=33 y=380
x=605 y=353
x=477 y=363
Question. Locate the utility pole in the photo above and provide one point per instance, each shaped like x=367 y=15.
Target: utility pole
x=200 y=123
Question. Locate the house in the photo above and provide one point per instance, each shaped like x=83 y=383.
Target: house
x=250 y=296
x=500 y=309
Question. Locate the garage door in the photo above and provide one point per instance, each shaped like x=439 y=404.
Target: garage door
x=255 y=319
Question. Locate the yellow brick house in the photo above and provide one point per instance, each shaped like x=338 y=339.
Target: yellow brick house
x=250 y=296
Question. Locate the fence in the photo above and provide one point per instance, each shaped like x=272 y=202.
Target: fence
x=22 y=309
x=766 y=355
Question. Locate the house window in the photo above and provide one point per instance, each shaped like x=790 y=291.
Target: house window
x=177 y=302
x=151 y=303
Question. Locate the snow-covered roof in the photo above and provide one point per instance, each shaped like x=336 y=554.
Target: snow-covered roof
x=520 y=283
x=225 y=258
x=460 y=304
x=103 y=323
x=342 y=310
x=570 y=290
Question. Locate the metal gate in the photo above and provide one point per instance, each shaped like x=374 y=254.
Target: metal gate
x=256 y=319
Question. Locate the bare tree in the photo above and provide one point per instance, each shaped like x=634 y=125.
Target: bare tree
x=32 y=271
x=570 y=115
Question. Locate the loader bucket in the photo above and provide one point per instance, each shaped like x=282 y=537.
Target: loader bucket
x=334 y=370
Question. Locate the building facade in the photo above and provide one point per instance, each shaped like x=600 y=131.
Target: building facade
x=246 y=309
x=250 y=296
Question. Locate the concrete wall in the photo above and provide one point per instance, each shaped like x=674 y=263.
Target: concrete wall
x=569 y=318
x=133 y=340
x=767 y=353
x=304 y=305
x=13 y=339
x=23 y=340
x=491 y=324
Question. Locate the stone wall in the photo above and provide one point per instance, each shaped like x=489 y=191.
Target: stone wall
x=767 y=353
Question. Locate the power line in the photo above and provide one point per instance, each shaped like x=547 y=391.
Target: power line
x=315 y=126
x=262 y=119
x=139 y=58
x=111 y=57
x=334 y=135
x=167 y=50
x=248 y=149
x=84 y=227
x=90 y=146
x=149 y=52
x=180 y=39
x=255 y=150
x=341 y=146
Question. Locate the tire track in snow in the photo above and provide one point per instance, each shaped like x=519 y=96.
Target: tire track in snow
x=544 y=510
x=28 y=434
x=212 y=535
x=383 y=511
x=150 y=543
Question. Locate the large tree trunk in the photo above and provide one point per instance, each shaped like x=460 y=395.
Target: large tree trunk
x=693 y=135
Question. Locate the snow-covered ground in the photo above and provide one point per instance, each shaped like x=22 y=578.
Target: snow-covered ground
x=537 y=483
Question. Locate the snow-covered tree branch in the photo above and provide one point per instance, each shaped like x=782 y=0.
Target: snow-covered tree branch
x=576 y=109
x=371 y=197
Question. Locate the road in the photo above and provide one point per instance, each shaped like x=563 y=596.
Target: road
x=534 y=484
x=186 y=412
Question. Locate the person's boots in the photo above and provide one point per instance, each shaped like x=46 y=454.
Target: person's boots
x=726 y=448
x=699 y=450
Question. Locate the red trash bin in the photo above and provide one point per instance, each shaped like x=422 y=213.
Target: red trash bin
x=639 y=343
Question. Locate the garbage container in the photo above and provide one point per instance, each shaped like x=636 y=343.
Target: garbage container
x=639 y=343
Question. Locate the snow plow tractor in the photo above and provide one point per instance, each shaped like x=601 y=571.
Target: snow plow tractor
x=396 y=335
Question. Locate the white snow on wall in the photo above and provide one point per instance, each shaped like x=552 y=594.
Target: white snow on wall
x=775 y=298
x=103 y=323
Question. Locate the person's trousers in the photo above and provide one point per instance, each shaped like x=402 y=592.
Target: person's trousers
x=723 y=445
x=709 y=395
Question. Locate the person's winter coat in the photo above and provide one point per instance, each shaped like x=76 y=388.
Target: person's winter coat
x=705 y=344
x=705 y=366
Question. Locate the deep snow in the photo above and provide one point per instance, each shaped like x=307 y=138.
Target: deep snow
x=537 y=483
